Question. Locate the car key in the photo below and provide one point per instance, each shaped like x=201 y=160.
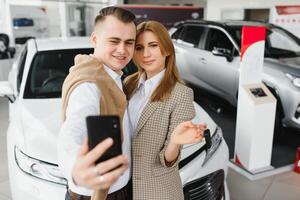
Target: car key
x=207 y=138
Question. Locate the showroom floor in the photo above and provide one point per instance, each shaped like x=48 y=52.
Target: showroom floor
x=224 y=114
x=278 y=187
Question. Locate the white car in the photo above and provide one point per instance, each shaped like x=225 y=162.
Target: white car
x=34 y=91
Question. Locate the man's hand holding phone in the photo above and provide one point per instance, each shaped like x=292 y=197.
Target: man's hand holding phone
x=101 y=176
x=100 y=167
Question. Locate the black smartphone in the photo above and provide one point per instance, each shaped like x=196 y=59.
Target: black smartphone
x=101 y=127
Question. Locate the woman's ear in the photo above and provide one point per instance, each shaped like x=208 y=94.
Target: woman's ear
x=167 y=53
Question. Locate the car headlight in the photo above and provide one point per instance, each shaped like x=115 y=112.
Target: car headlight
x=295 y=80
x=215 y=143
x=39 y=169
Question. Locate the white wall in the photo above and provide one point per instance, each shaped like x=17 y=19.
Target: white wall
x=2 y=15
x=56 y=14
x=214 y=7
x=54 y=19
x=6 y=15
x=91 y=11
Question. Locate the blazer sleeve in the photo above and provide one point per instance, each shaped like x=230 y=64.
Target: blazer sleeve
x=183 y=110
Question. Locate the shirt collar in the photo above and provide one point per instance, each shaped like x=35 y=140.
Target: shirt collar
x=153 y=80
x=142 y=80
x=152 y=83
x=114 y=75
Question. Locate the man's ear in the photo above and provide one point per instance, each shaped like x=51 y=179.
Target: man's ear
x=94 y=39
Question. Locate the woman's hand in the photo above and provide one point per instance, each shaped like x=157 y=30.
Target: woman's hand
x=187 y=133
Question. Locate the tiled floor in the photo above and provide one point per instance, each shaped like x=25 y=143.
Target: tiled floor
x=284 y=186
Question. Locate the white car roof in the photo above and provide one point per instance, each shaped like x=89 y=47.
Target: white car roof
x=62 y=43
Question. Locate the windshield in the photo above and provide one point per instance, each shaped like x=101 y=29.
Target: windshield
x=279 y=43
x=48 y=71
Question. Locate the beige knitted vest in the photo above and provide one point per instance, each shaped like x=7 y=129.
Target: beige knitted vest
x=112 y=101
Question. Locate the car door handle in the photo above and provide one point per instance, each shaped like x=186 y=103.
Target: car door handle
x=202 y=60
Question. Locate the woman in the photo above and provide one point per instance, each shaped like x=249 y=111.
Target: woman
x=158 y=103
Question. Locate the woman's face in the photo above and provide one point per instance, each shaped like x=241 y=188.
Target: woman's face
x=148 y=54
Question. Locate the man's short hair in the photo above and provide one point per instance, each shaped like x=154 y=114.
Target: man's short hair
x=120 y=13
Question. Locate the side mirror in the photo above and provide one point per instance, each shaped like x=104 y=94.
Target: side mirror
x=7 y=91
x=223 y=52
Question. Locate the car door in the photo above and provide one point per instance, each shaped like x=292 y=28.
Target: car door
x=186 y=41
x=15 y=80
x=220 y=73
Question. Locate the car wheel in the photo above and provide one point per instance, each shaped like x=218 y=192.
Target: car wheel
x=278 y=126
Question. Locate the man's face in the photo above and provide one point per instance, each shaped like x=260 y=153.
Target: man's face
x=114 y=41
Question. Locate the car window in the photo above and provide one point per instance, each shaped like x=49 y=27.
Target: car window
x=21 y=66
x=192 y=34
x=177 y=33
x=280 y=44
x=217 y=39
x=48 y=71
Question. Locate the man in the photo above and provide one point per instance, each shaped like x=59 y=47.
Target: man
x=94 y=87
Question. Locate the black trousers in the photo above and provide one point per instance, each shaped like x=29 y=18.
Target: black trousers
x=74 y=196
x=124 y=193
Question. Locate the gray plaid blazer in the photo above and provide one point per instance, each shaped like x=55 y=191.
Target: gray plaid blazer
x=152 y=179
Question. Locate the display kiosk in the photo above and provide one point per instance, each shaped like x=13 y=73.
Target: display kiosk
x=256 y=106
x=255 y=127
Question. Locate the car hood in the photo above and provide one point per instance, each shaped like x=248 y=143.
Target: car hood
x=291 y=65
x=41 y=124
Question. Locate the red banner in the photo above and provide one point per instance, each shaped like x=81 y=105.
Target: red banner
x=297 y=161
x=251 y=35
x=287 y=10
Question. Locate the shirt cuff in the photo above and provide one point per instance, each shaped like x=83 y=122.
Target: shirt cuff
x=78 y=189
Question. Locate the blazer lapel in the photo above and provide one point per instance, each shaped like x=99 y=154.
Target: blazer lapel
x=147 y=112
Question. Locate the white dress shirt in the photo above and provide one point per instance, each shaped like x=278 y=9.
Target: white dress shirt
x=140 y=98
x=84 y=101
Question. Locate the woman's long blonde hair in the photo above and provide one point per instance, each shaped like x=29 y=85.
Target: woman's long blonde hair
x=171 y=77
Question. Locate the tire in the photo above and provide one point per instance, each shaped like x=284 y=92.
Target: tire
x=278 y=126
